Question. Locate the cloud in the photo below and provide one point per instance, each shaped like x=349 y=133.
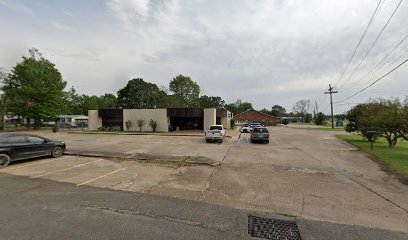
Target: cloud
x=62 y=27
x=16 y=6
x=271 y=52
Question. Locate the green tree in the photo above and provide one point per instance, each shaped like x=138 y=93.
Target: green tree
x=34 y=89
x=107 y=100
x=140 y=94
x=73 y=102
x=3 y=76
x=308 y=117
x=319 y=118
x=265 y=111
x=186 y=90
x=88 y=103
x=278 y=111
x=239 y=107
x=381 y=115
x=404 y=120
x=244 y=107
x=232 y=108
x=211 y=102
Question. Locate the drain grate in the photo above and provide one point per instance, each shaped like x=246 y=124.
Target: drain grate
x=269 y=228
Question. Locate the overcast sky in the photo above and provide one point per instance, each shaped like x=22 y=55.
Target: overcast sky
x=266 y=51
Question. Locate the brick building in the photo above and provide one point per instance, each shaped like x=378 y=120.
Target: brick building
x=255 y=116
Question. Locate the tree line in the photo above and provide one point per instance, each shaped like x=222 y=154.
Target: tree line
x=35 y=89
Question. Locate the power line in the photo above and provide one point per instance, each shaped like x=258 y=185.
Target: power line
x=373 y=44
x=389 y=72
x=360 y=40
x=380 y=72
x=377 y=66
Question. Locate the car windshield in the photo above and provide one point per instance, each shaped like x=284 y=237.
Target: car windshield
x=215 y=128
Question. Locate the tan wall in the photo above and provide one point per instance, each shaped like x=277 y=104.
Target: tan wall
x=225 y=122
x=94 y=122
x=210 y=117
x=159 y=115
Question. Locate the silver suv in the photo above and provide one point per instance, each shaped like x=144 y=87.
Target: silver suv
x=260 y=134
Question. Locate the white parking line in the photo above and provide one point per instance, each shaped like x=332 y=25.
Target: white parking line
x=46 y=174
x=28 y=164
x=80 y=184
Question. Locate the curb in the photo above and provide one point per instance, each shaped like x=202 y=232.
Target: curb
x=141 y=134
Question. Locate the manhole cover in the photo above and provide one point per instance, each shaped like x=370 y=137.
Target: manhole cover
x=269 y=228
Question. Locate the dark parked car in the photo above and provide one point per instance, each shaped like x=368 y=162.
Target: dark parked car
x=260 y=134
x=15 y=147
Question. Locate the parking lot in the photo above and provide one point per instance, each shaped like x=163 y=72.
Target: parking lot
x=304 y=173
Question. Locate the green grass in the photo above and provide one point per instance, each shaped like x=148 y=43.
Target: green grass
x=335 y=129
x=396 y=159
x=300 y=123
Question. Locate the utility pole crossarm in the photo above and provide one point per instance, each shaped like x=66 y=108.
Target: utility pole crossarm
x=331 y=92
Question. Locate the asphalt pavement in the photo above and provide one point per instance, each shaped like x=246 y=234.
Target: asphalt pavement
x=44 y=209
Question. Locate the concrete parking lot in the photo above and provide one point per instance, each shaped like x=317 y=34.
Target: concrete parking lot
x=303 y=173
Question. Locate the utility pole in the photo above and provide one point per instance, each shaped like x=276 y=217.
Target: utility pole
x=331 y=102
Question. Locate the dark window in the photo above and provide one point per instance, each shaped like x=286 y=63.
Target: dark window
x=260 y=130
x=36 y=139
x=215 y=128
x=16 y=139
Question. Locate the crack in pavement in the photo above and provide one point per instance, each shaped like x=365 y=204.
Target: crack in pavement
x=163 y=217
x=352 y=178
x=215 y=169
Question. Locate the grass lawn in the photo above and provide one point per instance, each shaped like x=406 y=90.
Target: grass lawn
x=300 y=123
x=335 y=129
x=395 y=158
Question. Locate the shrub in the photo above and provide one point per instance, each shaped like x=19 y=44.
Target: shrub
x=308 y=117
x=319 y=118
x=128 y=124
x=153 y=125
x=140 y=124
x=232 y=124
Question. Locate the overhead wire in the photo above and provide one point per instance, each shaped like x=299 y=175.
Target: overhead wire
x=377 y=9
x=373 y=44
x=376 y=81
x=382 y=65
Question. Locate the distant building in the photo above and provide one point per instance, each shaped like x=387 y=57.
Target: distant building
x=255 y=116
x=167 y=119
x=77 y=119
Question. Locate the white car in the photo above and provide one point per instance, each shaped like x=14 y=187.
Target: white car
x=246 y=128
x=215 y=133
x=254 y=125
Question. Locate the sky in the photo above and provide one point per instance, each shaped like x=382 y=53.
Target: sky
x=265 y=52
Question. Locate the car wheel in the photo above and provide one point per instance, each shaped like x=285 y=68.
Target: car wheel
x=267 y=141
x=206 y=140
x=4 y=160
x=57 y=152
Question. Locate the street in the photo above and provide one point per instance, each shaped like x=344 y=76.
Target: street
x=309 y=176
